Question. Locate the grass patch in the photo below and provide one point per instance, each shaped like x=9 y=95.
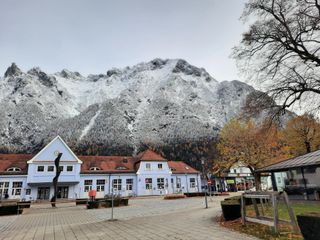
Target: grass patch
x=266 y=232
x=262 y=231
x=298 y=208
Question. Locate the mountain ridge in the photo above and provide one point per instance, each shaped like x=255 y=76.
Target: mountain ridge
x=155 y=103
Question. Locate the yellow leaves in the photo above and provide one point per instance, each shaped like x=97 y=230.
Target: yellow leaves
x=250 y=144
x=302 y=134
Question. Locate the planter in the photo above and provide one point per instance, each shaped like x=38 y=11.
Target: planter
x=93 y=205
x=124 y=201
x=10 y=210
x=81 y=201
x=174 y=196
x=25 y=204
x=195 y=194
x=309 y=224
x=231 y=210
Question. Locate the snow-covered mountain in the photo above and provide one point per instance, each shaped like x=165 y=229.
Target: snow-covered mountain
x=158 y=102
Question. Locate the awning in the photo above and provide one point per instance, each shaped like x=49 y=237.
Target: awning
x=48 y=184
x=309 y=159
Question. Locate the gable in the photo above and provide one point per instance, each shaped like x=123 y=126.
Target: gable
x=48 y=152
x=150 y=155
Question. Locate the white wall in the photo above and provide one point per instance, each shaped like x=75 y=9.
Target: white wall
x=17 y=178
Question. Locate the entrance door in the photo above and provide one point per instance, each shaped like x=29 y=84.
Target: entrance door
x=43 y=192
x=63 y=192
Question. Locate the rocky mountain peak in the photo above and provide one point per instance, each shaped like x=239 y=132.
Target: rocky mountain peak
x=65 y=73
x=158 y=102
x=12 y=71
x=44 y=78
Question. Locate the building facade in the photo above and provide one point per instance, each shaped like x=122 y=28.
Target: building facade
x=24 y=176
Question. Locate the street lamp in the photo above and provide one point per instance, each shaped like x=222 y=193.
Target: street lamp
x=205 y=192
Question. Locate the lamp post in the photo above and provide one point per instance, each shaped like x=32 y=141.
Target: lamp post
x=205 y=192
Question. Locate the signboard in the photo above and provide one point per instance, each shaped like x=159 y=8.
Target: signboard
x=232 y=174
x=230 y=181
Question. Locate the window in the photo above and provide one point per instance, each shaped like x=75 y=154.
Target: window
x=50 y=168
x=16 y=188
x=69 y=168
x=160 y=166
x=129 y=184
x=100 y=185
x=40 y=169
x=125 y=160
x=192 y=182
x=87 y=185
x=61 y=168
x=4 y=188
x=116 y=184
x=148 y=183
x=94 y=169
x=14 y=169
x=148 y=166
x=160 y=183
x=28 y=191
x=279 y=180
x=178 y=182
x=121 y=168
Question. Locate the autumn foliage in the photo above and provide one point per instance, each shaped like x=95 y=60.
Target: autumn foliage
x=250 y=144
x=302 y=134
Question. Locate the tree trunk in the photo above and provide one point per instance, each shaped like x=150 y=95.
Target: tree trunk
x=257 y=178
x=308 y=146
x=55 y=180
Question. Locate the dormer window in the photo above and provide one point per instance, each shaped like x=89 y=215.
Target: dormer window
x=14 y=169
x=125 y=160
x=173 y=169
x=121 y=168
x=187 y=168
x=95 y=169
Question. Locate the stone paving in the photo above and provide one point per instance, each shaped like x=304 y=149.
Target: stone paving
x=145 y=218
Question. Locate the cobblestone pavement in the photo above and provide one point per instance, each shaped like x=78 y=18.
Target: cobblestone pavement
x=145 y=218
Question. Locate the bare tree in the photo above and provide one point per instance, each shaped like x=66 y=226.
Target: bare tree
x=281 y=49
x=55 y=179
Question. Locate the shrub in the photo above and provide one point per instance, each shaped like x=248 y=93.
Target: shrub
x=195 y=194
x=81 y=201
x=174 y=196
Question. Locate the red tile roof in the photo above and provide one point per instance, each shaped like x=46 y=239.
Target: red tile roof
x=14 y=160
x=150 y=155
x=181 y=167
x=106 y=164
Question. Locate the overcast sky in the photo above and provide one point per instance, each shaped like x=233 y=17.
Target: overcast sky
x=92 y=36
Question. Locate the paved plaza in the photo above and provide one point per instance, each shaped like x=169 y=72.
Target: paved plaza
x=145 y=218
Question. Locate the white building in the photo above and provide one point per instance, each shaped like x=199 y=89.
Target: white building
x=24 y=176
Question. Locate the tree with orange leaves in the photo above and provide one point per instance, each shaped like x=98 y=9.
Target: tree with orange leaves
x=253 y=145
x=302 y=134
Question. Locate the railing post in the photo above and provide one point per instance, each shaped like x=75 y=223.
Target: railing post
x=243 y=209
x=275 y=212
